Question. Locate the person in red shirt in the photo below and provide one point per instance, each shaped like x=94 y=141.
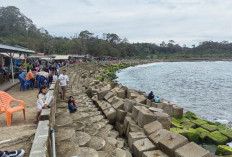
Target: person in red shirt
x=72 y=105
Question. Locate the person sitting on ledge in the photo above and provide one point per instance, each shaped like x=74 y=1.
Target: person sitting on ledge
x=72 y=105
x=44 y=100
x=150 y=95
x=157 y=99
x=16 y=153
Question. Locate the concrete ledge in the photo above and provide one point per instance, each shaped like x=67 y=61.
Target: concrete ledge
x=40 y=144
x=52 y=87
x=45 y=114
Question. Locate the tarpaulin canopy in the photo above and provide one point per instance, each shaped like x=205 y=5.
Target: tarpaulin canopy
x=11 y=50
x=61 y=57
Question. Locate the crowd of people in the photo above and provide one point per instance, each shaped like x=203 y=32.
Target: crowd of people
x=44 y=100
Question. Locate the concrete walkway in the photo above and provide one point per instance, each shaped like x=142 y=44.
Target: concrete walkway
x=8 y=85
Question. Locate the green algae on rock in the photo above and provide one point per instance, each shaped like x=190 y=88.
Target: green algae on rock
x=190 y=115
x=217 y=138
x=199 y=122
x=209 y=127
x=223 y=150
x=221 y=127
x=202 y=133
x=227 y=133
x=190 y=133
x=176 y=122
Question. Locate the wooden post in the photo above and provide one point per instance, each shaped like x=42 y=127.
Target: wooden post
x=12 y=67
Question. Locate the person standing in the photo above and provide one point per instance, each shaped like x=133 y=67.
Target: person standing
x=63 y=81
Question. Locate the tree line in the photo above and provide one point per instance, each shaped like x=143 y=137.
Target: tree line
x=17 y=29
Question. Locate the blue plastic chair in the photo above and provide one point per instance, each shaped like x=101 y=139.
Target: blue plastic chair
x=42 y=81
x=24 y=74
x=24 y=82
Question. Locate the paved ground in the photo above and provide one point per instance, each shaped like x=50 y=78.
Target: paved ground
x=7 y=85
x=20 y=129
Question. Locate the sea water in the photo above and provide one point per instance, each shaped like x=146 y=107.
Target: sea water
x=204 y=88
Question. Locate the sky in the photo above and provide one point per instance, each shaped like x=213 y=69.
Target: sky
x=184 y=21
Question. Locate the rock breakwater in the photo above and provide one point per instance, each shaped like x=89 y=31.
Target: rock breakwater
x=115 y=121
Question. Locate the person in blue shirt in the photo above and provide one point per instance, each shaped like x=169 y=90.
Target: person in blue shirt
x=150 y=95
x=157 y=99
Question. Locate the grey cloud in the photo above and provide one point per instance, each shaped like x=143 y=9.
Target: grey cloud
x=185 y=21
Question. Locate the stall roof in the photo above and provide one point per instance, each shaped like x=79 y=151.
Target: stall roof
x=6 y=48
x=47 y=57
x=61 y=57
x=15 y=55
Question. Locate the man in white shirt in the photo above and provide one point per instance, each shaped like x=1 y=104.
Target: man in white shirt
x=63 y=83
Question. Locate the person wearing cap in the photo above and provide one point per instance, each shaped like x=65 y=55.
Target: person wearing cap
x=63 y=81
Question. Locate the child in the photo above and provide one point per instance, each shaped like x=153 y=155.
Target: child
x=71 y=105
x=54 y=76
x=44 y=100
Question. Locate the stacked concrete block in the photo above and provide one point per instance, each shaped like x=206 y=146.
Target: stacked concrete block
x=132 y=127
x=118 y=105
x=177 y=111
x=104 y=105
x=141 y=99
x=141 y=146
x=134 y=95
x=101 y=93
x=152 y=127
x=171 y=142
x=145 y=116
x=128 y=105
x=120 y=128
x=134 y=136
x=154 y=153
x=153 y=109
x=153 y=104
x=110 y=113
x=148 y=102
x=191 y=150
x=121 y=93
x=164 y=119
x=108 y=96
x=129 y=91
x=127 y=120
x=113 y=100
x=168 y=109
x=120 y=115
x=135 y=111
x=161 y=105
x=159 y=135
